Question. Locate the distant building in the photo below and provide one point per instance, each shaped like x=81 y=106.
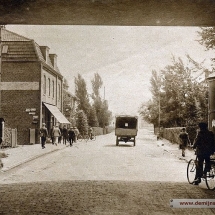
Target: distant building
x=31 y=87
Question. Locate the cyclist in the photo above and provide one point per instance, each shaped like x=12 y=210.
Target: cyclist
x=205 y=147
x=91 y=133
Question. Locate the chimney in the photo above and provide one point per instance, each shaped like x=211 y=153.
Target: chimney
x=53 y=58
x=45 y=52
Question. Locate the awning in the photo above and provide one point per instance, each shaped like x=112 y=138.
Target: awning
x=57 y=114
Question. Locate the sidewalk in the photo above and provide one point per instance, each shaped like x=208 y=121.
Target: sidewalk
x=24 y=153
x=174 y=150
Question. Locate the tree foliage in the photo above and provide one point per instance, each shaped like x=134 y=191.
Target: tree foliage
x=178 y=98
x=96 y=85
x=101 y=106
x=81 y=93
x=207 y=35
x=97 y=112
x=93 y=120
x=81 y=122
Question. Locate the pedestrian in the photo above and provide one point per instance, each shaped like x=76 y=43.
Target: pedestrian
x=60 y=137
x=184 y=139
x=205 y=147
x=76 y=133
x=56 y=134
x=52 y=137
x=71 y=135
x=65 y=134
x=43 y=135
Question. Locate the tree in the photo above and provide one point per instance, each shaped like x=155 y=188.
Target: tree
x=96 y=85
x=82 y=95
x=105 y=114
x=207 y=35
x=181 y=100
x=101 y=107
x=81 y=122
x=93 y=120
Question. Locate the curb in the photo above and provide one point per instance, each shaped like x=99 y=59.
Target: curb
x=179 y=157
x=30 y=159
x=186 y=159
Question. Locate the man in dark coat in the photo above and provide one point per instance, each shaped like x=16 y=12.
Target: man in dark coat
x=43 y=135
x=184 y=140
x=65 y=134
x=71 y=135
x=205 y=147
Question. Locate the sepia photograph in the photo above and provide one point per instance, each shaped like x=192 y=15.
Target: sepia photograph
x=107 y=107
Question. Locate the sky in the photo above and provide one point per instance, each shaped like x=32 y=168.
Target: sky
x=124 y=56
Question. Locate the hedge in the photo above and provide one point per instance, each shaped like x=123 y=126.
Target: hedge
x=172 y=134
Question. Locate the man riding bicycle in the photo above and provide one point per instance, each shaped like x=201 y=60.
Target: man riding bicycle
x=205 y=147
x=91 y=133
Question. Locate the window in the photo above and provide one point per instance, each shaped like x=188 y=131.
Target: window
x=49 y=86
x=4 y=49
x=58 y=91
x=44 y=84
x=53 y=89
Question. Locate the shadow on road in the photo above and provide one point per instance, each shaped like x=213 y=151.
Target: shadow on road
x=120 y=145
x=100 y=197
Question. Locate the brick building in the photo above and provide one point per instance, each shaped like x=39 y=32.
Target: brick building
x=31 y=87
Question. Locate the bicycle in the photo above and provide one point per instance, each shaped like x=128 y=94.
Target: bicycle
x=83 y=137
x=210 y=176
x=93 y=137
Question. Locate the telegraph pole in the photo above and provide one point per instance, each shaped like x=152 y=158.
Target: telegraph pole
x=0 y=66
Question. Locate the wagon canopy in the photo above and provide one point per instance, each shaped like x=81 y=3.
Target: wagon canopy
x=128 y=122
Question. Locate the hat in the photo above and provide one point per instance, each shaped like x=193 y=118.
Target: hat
x=44 y=124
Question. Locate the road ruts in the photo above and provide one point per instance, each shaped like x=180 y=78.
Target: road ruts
x=99 y=197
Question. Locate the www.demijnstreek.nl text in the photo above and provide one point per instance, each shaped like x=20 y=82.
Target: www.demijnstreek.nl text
x=192 y=203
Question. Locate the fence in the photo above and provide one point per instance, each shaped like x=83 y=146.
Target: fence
x=10 y=138
x=172 y=134
x=101 y=131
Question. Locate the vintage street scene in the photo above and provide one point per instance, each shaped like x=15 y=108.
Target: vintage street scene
x=107 y=120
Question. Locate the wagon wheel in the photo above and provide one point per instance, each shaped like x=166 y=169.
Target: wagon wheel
x=117 y=141
x=134 y=141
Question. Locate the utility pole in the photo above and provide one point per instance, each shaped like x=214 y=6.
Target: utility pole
x=0 y=66
x=159 y=112
x=159 y=105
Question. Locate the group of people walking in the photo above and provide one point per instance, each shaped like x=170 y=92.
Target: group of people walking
x=58 y=134
x=204 y=146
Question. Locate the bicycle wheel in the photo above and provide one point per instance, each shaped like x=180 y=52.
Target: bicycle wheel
x=93 y=137
x=191 y=171
x=80 y=138
x=210 y=179
x=86 y=137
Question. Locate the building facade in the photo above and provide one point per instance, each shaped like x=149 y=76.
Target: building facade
x=31 y=87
